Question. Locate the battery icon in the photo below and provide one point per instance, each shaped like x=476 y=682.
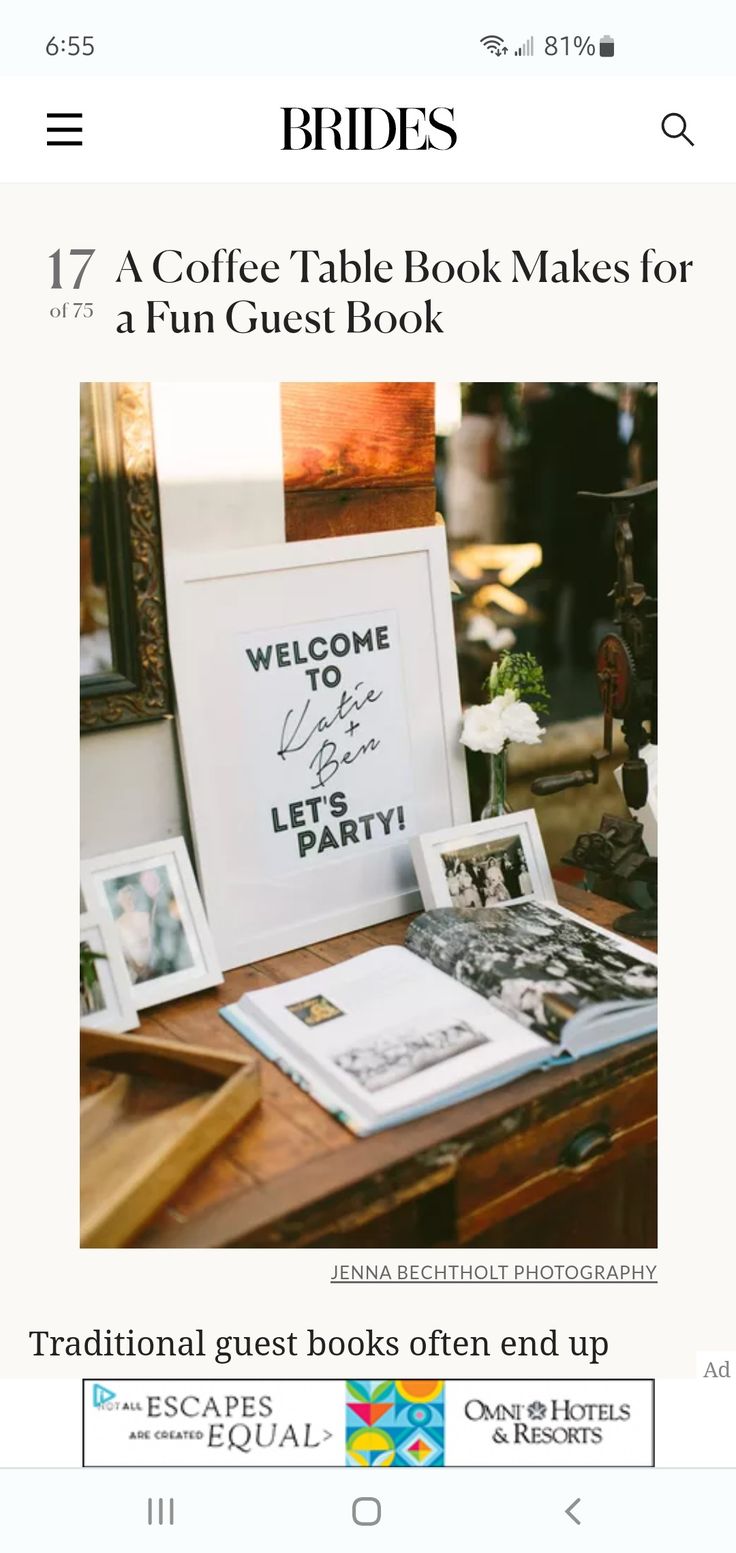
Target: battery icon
x=606 y=46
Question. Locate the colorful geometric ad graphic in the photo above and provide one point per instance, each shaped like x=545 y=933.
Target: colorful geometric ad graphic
x=395 y=1423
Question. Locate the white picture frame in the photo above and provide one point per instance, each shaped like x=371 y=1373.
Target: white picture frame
x=108 y=1005
x=247 y=796
x=470 y=865
x=172 y=953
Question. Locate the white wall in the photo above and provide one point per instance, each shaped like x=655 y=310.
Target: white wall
x=219 y=465
x=130 y=788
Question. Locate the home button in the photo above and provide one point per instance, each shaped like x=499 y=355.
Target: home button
x=366 y=1512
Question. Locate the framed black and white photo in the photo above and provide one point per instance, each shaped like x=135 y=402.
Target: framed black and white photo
x=490 y=863
x=149 y=895
x=319 y=716
x=105 y=1000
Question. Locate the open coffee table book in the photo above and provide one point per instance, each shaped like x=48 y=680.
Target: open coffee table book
x=475 y=999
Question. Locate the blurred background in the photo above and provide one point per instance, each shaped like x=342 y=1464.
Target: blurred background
x=535 y=562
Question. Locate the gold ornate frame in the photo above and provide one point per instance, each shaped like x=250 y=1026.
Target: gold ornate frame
x=138 y=688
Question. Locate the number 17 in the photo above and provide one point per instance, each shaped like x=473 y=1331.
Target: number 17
x=74 y=253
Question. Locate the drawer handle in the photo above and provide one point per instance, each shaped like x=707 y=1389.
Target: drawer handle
x=586 y=1145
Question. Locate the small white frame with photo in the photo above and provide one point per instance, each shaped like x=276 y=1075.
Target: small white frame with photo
x=524 y=846
x=117 y=1013
x=143 y=872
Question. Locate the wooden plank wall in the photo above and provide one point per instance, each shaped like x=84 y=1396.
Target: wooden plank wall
x=358 y=457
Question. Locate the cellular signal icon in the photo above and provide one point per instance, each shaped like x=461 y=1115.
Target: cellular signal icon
x=526 y=48
x=494 y=44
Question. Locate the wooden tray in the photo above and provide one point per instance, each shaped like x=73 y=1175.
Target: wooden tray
x=150 y=1112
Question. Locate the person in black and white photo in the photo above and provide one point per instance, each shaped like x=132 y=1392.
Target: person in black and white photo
x=539 y=966
x=491 y=873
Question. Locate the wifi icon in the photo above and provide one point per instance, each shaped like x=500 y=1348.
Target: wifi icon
x=494 y=44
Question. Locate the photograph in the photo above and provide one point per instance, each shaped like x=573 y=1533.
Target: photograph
x=105 y=1001
x=315 y=1011
x=364 y=645
x=403 y=1053
x=148 y=920
x=150 y=897
x=490 y=872
x=493 y=862
x=91 y=996
x=537 y=965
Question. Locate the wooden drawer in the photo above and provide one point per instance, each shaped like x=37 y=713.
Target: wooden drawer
x=496 y=1183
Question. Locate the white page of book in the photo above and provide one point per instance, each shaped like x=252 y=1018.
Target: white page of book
x=391 y=1032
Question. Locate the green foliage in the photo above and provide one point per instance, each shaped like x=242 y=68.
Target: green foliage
x=87 y=970
x=522 y=672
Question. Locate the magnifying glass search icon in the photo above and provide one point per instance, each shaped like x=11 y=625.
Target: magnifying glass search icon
x=674 y=126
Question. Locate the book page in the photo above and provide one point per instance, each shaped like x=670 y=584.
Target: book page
x=539 y=964
x=391 y=1031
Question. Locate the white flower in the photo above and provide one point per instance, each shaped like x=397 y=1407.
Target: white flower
x=481 y=628
x=502 y=720
x=483 y=726
x=521 y=723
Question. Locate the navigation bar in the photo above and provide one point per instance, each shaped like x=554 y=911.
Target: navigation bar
x=381 y=130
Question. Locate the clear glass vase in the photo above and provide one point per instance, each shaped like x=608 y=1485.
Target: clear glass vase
x=496 y=803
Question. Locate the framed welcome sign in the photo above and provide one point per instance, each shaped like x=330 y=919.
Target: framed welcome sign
x=319 y=717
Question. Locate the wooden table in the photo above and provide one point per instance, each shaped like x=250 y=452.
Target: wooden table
x=502 y=1169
